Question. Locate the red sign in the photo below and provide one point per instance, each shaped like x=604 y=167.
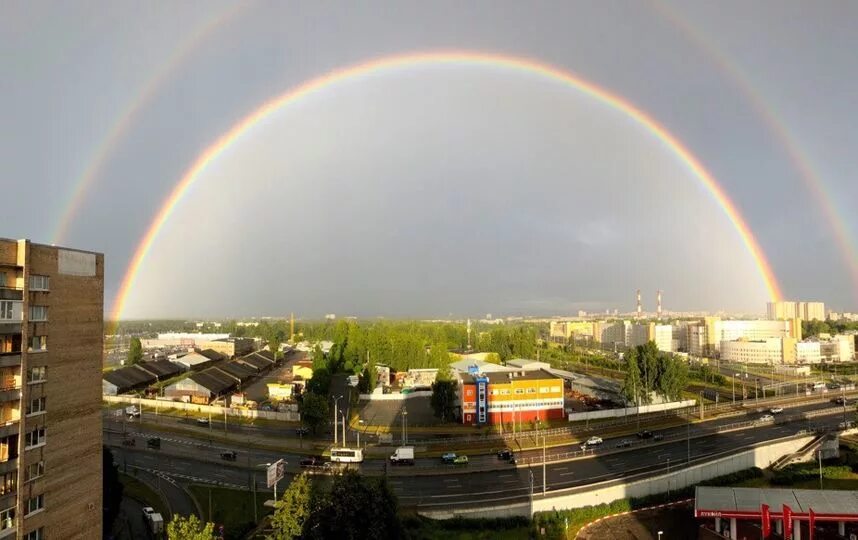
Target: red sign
x=812 y=523
x=787 y=523
x=767 y=520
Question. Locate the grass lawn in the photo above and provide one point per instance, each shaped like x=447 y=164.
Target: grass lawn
x=420 y=528
x=141 y=492
x=231 y=508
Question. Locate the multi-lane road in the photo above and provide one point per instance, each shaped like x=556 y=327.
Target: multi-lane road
x=485 y=479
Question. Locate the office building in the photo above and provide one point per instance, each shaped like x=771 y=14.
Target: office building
x=51 y=346
x=563 y=331
x=705 y=337
x=756 y=351
x=803 y=311
x=661 y=334
x=230 y=347
x=505 y=397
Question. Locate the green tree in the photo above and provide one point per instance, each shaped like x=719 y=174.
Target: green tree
x=314 y=410
x=356 y=507
x=319 y=360
x=189 y=528
x=111 y=489
x=292 y=510
x=443 y=400
x=632 y=388
x=320 y=383
x=135 y=351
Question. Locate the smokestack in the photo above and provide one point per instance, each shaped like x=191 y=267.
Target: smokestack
x=658 y=300
x=640 y=310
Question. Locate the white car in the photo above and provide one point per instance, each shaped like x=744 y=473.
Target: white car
x=767 y=418
x=593 y=441
x=776 y=410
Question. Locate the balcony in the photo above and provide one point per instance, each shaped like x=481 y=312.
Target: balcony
x=11 y=293
x=10 y=393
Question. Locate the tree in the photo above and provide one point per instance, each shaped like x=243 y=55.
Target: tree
x=319 y=360
x=443 y=400
x=632 y=388
x=111 y=490
x=320 y=383
x=314 y=409
x=292 y=510
x=355 y=507
x=135 y=351
x=369 y=377
x=189 y=528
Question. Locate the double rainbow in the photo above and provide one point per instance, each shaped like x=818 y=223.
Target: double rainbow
x=389 y=63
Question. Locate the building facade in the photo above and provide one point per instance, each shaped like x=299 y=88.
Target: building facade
x=762 y=351
x=804 y=311
x=51 y=350
x=516 y=396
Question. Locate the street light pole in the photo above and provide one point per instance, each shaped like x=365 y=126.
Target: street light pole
x=336 y=399
x=543 y=462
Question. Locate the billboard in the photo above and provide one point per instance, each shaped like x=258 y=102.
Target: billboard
x=276 y=471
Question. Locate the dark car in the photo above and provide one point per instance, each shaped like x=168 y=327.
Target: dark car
x=505 y=454
x=645 y=434
x=229 y=455
x=301 y=431
x=625 y=443
x=154 y=442
x=657 y=437
x=312 y=461
x=840 y=400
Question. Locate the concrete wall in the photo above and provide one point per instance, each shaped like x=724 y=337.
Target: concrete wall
x=163 y=405
x=629 y=411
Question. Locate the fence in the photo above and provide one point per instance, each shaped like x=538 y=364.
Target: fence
x=395 y=397
x=625 y=411
x=160 y=405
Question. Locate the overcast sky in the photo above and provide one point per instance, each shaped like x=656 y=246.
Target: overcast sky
x=436 y=190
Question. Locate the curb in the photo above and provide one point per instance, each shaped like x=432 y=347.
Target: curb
x=603 y=518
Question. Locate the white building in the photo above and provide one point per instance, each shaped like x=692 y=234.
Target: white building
x=839 y=348
x=764 y=351
x=808 y=352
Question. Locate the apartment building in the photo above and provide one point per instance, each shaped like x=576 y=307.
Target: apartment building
x=804 y=311
x=51 y=346
x=705 y=337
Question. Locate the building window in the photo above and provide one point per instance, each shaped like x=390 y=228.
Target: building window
x=34 y=438
x=38 y=343
x=38 y=534
x=555 y=388
x=37 y=374
x=39 y=283
x=33 y=471
x=531 y=390
x=519 y=391
x=35 y=504
x=36 y=406
x=6 y=310
x=8 y=482
x=505 y=392
x=469 y=392
x=38 y=313
x=7 y=519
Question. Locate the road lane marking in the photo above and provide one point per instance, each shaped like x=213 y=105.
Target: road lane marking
x=567 y=474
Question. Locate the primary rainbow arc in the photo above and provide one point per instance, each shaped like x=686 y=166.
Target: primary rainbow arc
x=435 y=58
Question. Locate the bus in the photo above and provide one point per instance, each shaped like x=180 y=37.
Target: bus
x=346 y=455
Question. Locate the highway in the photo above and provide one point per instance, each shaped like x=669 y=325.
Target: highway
x=485 y=479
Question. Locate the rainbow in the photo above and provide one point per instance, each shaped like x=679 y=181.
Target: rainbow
x=847 y=246
x=525 y=65
x=126 y=118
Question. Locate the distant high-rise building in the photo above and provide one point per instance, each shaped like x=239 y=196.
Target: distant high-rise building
x=804 y=311
x=640 y=307
x=51 y=347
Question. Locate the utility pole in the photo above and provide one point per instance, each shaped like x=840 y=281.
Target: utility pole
x=543 y=462
x=336 y=399
x=292 y=328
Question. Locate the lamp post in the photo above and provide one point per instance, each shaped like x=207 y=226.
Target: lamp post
x=336 y=399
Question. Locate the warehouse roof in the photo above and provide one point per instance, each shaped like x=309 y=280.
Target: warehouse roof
x=215 y=381
x=827 y=505
x=161 y=368
x=128 y=378
x=238 y=370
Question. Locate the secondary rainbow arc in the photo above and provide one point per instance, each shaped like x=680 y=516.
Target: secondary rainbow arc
x=210 y=154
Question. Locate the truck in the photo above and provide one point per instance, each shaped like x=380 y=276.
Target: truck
x=404 y=455
x=154 y=521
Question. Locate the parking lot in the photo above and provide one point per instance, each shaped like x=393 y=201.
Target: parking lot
x=389 y=413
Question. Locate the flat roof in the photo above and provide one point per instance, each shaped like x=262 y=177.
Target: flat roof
x=827 y=505
x=505 y=377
